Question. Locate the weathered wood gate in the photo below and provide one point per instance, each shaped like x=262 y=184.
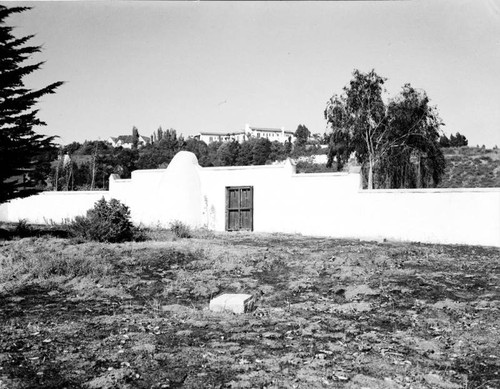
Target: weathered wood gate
x=239 y=208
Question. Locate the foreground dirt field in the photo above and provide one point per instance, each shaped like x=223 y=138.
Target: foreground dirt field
x=330 y=313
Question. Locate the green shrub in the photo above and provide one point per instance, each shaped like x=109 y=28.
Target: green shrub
x=180 y=230
x=106 y=222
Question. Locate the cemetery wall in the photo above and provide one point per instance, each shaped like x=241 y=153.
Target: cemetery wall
x=311 y=204
x=448 y=216
x=48 y=207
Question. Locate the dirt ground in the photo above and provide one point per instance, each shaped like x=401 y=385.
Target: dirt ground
x=329 y=314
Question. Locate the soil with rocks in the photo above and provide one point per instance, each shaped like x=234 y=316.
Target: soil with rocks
x=329 y=314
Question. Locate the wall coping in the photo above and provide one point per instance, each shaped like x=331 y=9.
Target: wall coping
x=75 y=192
x=316 y=175
x=430 y=190
x=253 y=167
x=146 y=171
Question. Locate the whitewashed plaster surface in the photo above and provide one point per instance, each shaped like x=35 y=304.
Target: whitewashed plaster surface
x=323 y=204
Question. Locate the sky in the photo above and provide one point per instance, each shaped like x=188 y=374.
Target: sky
x=214 y=66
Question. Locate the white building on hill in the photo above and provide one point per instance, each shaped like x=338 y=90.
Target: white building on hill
x=273 y=134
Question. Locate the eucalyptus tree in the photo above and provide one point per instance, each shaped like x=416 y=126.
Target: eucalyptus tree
x=357 y=119
x=410 y=155
x=396 y=143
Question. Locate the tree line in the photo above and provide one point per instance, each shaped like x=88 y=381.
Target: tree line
x=88 y=165
x=457 y=140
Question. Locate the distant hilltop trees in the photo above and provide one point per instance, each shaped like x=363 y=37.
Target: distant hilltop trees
x=457 y=140
x=88 y=165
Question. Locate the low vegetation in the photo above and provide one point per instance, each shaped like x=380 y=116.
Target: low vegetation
x=471 y=167
x=329 y=313
x=180 y=229
x=108 y=221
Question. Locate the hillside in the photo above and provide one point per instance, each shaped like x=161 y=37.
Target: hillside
x=471 y=167
x=466 y=167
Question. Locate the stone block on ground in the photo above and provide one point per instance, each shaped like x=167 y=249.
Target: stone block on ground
x=236 y=303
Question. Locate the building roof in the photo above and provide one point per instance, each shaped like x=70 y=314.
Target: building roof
x=242 y=132
x=213 y=133
x=125 y=138
x=266 y=129
x=222 y=133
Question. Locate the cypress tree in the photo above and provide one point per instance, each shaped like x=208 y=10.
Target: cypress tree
x=20 y=145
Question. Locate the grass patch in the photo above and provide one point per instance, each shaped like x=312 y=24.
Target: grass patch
x=42 y=259
x=23 y=229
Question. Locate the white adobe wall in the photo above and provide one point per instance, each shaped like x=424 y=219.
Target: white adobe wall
x=323 y=204
x=139 y=193
x=455 y=216
x=311 y=204
x=283 y=200
x=160 y=196
x=270 y=184
x=334 y=205
x=49 y=207
x=155 y=197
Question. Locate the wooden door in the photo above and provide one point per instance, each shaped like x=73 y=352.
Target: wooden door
x=239 y=208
